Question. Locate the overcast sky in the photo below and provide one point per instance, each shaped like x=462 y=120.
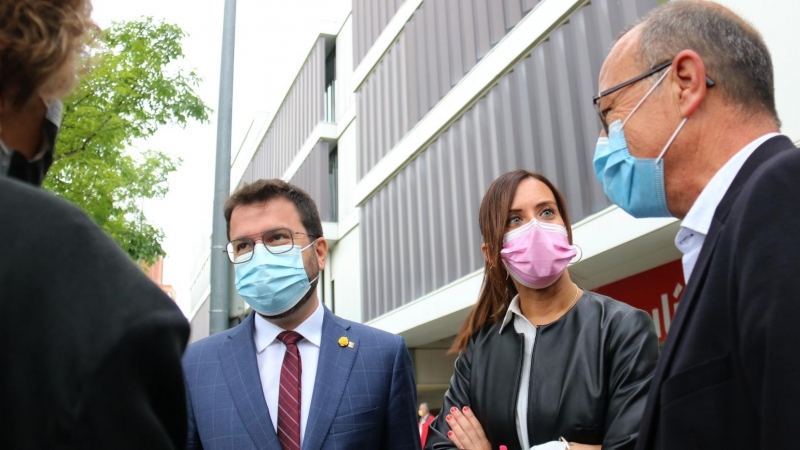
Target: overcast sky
x=273 y=38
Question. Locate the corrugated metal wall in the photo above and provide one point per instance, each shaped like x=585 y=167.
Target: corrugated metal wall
x=312 y=177
x=370 y=17
x=440 y=43
x=420 y=231
x=300 y=112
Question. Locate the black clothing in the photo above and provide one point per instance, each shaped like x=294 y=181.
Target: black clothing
x=32 y=172
x=589 y=377
x=90 y=349
x=728 y=376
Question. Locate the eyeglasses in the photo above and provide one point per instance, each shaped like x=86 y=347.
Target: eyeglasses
x=654 y=70
x=277 y=241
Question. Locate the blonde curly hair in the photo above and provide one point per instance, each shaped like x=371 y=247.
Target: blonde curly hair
x=43 y=48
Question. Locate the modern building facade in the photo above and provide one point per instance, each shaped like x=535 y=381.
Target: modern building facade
x=405 y=111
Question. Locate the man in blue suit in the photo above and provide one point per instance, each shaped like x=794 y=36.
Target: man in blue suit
x=292 y=375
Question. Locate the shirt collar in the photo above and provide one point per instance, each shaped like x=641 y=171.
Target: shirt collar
x=701 y=213
x=513 y=309
x=53 y=115
x=266 y=332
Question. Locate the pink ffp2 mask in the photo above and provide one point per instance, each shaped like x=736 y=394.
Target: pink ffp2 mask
x=537 y=253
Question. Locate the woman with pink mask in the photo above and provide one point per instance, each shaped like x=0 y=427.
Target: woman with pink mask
x=543 y=364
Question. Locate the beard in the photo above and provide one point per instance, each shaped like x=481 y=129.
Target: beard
x=311 y=290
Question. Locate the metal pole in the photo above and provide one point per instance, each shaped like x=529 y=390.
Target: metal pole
x=220 y=270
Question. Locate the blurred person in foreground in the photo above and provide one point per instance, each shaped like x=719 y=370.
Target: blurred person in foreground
x=90 y=349
x=687 y=101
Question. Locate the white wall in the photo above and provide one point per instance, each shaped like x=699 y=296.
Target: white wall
x=777 y=22
x=200 y=322
x=347 y=171
x=345 y=271
x=345 y=97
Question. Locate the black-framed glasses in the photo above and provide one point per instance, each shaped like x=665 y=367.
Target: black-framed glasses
x=654 y=70
x=277 y=241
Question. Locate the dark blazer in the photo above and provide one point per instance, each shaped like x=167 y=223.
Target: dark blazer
x=729 y=374
x=590 y=373
x=364 y=397
x=90 y=349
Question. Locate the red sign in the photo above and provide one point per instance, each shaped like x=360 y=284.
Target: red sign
x=656 y=291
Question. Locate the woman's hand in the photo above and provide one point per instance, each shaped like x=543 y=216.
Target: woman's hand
x=574 y=446
x=466 y=432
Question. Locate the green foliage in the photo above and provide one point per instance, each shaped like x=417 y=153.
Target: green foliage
x=132 y=88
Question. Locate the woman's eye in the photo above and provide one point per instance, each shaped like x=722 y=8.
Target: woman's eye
x=514 y=221
x=548 y=213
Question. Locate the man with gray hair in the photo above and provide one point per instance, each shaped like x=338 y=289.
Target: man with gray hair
x=425 y=419
x=691 y=131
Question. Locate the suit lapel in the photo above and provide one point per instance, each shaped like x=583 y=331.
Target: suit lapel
x=690 y=297
x=240 y=369
x=333 y=371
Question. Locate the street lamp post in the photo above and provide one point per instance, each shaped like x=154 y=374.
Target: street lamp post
x=220 y=270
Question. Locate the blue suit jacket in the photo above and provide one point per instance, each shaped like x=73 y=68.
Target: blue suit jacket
x=364 y=397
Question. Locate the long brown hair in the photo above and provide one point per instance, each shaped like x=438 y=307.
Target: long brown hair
x=498 y=289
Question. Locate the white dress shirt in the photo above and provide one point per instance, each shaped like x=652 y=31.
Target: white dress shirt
x=697 y=222
x=524 y=327
x=270 y=352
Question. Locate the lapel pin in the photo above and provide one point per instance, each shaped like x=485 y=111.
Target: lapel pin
x=343 y=341
x=351 y=344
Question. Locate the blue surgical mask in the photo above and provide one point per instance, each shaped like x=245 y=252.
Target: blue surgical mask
x=273 y=283
x=634 y=184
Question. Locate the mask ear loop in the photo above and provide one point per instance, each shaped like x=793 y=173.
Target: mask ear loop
x=672 y=138
x=579 y=255
x=647 y=95
x=309 y=245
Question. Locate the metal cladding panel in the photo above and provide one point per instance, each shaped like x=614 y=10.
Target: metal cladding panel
x=420 y=231
x=312 y=177
x=302 y=109
x=370 y=17
x=442 y=41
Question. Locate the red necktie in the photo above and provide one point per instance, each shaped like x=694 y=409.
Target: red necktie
x=289 y=396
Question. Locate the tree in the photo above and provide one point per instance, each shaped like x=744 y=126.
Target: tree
x=132 y=87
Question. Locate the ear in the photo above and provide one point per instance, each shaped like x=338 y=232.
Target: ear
x=689 y=74
x=485 y=252
x=321 y=248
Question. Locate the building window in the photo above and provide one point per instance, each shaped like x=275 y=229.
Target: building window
x=333 y=183
x=333 y=296
x=330 y=86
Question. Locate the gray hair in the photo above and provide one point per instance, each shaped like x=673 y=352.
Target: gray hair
x=734 y=53
x=425 y=405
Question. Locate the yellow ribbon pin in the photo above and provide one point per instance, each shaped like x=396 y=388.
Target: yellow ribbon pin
x=343 y=341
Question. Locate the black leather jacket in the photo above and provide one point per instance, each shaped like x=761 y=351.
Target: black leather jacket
x=590 y=374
